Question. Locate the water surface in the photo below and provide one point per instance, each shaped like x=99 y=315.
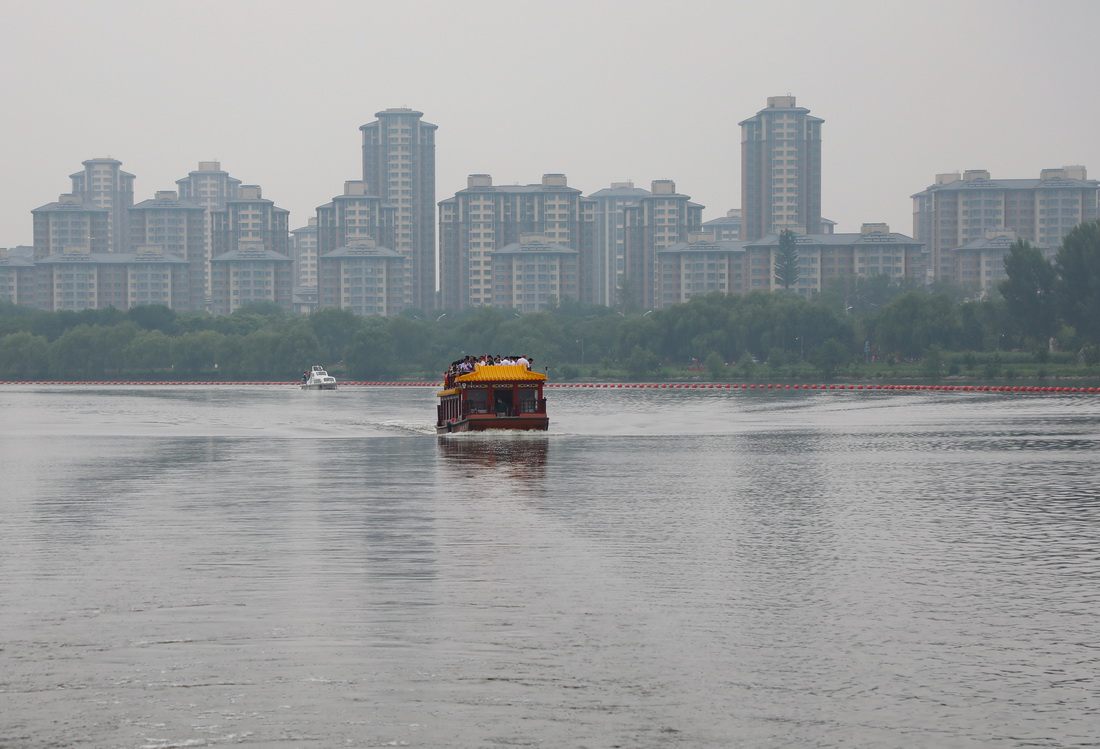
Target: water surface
x=187 y=566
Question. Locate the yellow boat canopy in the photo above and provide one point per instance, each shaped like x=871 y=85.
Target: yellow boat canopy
x=501 y=373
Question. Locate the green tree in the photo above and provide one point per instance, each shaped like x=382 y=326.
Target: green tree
x=153 y=317
x=1078 y=285
x=148 y=353
x=335 y=328
x=77 y=354
x=640 y=363
x=786 y=260
x=23 y=356
x=829 y=357
x=371 y=356
x=296 y=350
x=1029 y=291
x=195 y=353
x=916 y=320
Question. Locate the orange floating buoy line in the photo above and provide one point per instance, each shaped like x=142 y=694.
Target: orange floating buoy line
x=835 y=387
x=1059 y=389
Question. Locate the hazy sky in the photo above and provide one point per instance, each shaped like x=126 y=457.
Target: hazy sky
x=602 y=91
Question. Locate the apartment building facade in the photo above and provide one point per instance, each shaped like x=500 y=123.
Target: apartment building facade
x=659 y=220
x=603 y=266
x=484 y=217
x=17 y=279
x=208 y=186
x=399 y=168
x=703 y=264
x=363 y=277
x=303 y=252
x=534 y=274
x=68 y=225
x=963 y=208
x=780 y=170
x=79 y=279
x=250 y=273
x=178 y=228
x=103 y=184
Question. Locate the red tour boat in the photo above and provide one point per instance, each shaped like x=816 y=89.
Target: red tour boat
x=496 y=396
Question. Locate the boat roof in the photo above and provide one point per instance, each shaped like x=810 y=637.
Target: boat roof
x=501 y=373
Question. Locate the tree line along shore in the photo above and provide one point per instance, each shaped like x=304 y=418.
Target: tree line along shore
x=1042 y=323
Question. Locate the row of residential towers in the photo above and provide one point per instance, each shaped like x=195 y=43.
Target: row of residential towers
x=373 y=249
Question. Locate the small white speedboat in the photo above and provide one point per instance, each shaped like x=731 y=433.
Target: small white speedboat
x=318 y=379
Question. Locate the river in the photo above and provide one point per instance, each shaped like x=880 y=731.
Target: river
x=209 y=566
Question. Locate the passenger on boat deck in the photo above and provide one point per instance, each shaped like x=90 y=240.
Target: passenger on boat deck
x=523 y=361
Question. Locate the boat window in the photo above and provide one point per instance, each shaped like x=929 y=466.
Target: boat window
x=528 y=400
x=478 y=401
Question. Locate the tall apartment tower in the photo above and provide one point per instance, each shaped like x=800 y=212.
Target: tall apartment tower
x=399 y=167
x=602 y=274
x=103 y=184
x=485 y=217
x=303 y=251
x=177 y=227
x=780 y=170
x=250 y=219
x=658 y=221
x=209 y=187
x=251 y=242
x=353 y=217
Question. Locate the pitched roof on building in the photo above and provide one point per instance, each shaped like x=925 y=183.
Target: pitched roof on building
x=844 y=238
x=1010 y=184
x=163 y=203
x=705 y=245
x=251 y=254
x=363 y=251
x=113 y=258
x=545 y=248
x=501 y=373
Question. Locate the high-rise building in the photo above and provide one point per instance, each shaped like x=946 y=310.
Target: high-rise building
x=659 y=220
x=78 y=279
x=362 y=277
x=250 y=242
x=17 y=278
x=355 y=216
x=70 y=224
x=603 y=267
x=873 y=251
x=980 y=263
x=725 y=228
x=399 y=167
x=959 y=209
x=704 y=265
x=303 y=251
x=485 y=217
x=209 y=187
x=247 y=274
x=780 y=170
x=250 y=219
x=177 y=227
x=533 y=274
x=103 y=184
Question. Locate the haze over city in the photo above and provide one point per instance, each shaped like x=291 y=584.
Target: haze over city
x=599 y=91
